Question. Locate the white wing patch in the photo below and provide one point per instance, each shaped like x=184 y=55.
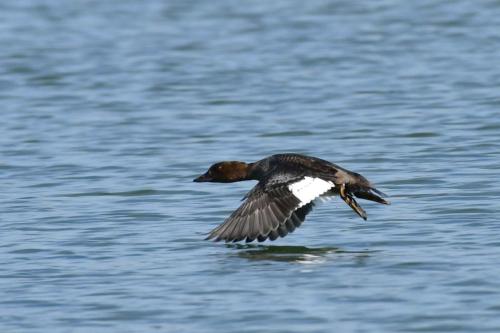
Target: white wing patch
x=309 y=188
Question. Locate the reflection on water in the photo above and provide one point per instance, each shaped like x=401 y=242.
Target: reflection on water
x=293 y=254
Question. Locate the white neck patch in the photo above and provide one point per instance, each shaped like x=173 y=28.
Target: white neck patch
x=309 y=188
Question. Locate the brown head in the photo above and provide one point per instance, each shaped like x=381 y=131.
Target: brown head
x=226 y=172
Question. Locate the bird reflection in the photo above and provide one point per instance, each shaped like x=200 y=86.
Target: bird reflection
x=294 y=254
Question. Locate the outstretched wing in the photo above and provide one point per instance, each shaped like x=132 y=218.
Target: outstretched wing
x=273 y=212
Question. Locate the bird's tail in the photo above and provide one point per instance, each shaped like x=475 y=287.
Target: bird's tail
x=372 y=194
x=362 y=192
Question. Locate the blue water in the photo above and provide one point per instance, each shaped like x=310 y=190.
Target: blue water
x=109 y=109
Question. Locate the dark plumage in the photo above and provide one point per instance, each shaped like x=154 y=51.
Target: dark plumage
x=288 y=186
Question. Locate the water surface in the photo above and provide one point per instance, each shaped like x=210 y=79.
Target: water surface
x=110 y=109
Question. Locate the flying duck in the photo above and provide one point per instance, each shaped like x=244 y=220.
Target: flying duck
x=287 y=189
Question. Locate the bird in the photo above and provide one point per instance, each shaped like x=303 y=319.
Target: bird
x=289 y=186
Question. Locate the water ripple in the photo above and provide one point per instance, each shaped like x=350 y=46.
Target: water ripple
x=109 y=111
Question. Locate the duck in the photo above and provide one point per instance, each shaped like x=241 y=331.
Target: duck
x=289 y=186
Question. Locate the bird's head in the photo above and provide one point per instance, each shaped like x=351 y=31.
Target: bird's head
x=225 y=172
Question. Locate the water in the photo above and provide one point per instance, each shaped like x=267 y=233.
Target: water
x=109 y=110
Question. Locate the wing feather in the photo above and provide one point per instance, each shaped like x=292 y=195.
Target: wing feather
x=269 y=213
